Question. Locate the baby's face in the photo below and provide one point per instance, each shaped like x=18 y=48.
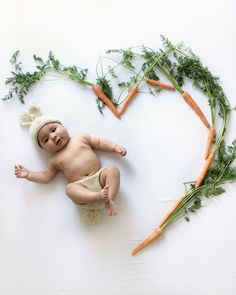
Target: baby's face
x=53 y=137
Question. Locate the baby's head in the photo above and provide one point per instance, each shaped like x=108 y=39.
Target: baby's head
x=46 y=131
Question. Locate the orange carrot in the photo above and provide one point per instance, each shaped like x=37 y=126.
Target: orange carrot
x=189 y=100
x=160 y=84
x=204 y=169
x=148 y=240
x=174 y=206
x=98 y=91
x=211 y=135
x=129 y=97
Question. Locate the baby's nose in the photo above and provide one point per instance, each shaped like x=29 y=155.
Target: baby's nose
x=54 y=137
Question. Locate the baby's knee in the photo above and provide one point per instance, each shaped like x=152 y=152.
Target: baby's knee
x=113 y=170
x=69 y=189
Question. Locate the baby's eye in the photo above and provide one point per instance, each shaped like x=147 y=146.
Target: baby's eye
x=53 y=129
x=45 y=140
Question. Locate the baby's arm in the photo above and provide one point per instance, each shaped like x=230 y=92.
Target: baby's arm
x=39 y=177
x=103 y=144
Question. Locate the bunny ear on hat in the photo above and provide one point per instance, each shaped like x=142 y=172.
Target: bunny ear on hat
x=27 y=117
x=34 y=119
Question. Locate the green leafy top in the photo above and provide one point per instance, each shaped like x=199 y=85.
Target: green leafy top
x=21 y=81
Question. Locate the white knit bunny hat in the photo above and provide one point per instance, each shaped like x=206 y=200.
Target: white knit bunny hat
x=34 y=119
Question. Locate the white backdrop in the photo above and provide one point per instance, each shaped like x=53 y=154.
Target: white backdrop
x=45 y=248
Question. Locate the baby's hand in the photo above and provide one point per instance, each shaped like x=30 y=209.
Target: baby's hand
x=120 y=150
x=21 y=171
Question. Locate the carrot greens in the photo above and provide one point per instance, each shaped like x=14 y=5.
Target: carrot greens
x=107 y=89
x=21 y=81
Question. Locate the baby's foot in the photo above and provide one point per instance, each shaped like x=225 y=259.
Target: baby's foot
x=104 y=194
x=111 y=208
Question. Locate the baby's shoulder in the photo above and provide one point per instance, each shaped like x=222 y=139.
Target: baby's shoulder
x=53 y=161
x=81 y=139
x=81 y=136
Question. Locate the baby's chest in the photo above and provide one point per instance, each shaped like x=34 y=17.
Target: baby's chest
x=73 y=157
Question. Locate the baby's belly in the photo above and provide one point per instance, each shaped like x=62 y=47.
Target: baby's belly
x=81 y=173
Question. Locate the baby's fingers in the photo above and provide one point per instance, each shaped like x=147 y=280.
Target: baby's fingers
x=124 y=152
x=17 y=171
x=20 y=171
x=16 y=168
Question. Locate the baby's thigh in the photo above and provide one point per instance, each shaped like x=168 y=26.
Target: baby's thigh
x=75 y=190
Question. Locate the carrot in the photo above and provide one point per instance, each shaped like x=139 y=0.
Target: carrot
x=148 y=240
x=129 y=97
x=205 y=169
x=189 y=100
x=211 y=135
x=98 y=91
x=160 y=84
x=174 y=206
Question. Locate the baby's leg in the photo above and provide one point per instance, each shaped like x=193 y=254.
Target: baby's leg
x=81 y=195
x=110 y=176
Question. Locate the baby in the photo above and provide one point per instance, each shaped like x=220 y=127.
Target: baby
x=89 y=185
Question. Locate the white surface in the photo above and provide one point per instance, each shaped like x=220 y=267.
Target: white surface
x=45 y=248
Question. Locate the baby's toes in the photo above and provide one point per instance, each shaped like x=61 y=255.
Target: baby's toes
x=106 y=189
x=111 y=212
